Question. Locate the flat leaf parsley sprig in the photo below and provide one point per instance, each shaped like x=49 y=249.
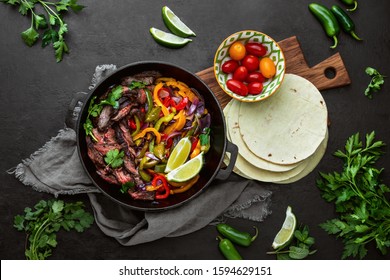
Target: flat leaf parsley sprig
x=51 y=23
x=359 y=197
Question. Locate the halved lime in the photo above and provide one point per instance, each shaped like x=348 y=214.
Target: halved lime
x=168 y=39
x=179 y=154
x=187 y=171
x=174 y=23
x=286 y=233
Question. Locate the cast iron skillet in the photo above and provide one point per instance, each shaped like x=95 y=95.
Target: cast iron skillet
x=213 y=158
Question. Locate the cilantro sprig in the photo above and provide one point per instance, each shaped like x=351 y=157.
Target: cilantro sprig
x=300 y=246
x=377 y=80
x=359 y=197
x=114 y=158
x=43 y=222
x=49 y=25
x=94 y=109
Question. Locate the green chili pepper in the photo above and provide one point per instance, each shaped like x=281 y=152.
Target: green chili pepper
x=164 y=119
x=236 y=236
x=228 y=250
x=138 y=126
x=153 y=115
x=328 y=21
x=351 y=2
x=345 y=21
x=149 y=98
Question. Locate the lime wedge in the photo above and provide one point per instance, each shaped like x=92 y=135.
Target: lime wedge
x=174 y=23
x=187 y=171
x=286 y=233
x=168 y=39
x=179 y=154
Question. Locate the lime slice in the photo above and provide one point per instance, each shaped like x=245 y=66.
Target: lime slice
x=174 y=23
x=286 y=233
x=179 y=154
x=187 y=171
x=168 y=39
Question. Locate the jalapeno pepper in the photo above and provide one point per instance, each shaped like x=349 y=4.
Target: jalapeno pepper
x=351 y=2
x=328 y=21
x=228 y=250
x=236 y=236
x=345 y=21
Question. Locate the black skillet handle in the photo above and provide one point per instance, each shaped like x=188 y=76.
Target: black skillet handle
x=223 y=174
x=74 y=109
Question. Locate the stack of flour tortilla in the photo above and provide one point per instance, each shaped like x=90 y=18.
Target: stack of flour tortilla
x=282 y=138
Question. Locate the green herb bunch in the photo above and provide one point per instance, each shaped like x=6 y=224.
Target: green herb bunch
x=50 y=22
x=299 y=247
x=359 y=197
x=377 y=80
x=43 y=222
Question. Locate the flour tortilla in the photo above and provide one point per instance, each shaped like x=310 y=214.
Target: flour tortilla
x=313 y=161
x=277 y=177
x=231 y=112
x=249 y=171
x=287 y=127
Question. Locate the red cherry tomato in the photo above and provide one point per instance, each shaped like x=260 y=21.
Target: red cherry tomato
x=237 y=87
x=229 y=66
x=255 y=88
x=256 y=49
x=255 y=77
x=251 y=62
x=240 y=74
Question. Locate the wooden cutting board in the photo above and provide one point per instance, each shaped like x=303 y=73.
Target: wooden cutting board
x=295 y=64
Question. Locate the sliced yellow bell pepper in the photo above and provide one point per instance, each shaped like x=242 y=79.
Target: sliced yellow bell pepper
x=186 y=186
x=146 y=130
x=178 y=124
x=157 y=99
x=184 y=90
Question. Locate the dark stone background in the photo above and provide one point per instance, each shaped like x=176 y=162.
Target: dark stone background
x=35 y=92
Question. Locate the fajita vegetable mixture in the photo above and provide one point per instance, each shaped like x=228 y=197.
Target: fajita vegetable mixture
x=142 y=132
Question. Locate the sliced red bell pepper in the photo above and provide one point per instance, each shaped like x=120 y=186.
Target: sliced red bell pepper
x=181 y=105
x=161 y=178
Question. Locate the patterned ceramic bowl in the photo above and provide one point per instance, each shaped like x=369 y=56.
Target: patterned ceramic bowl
x=270 y=86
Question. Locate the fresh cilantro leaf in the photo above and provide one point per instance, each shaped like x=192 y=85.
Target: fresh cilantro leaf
x=25 y=6
x=49 y=36
x=299 y=247
x=30 y=36
x=60 y=48
x=39 y=21
x=377 y=80
x=11 y=2
x=127 y=186
x=114 y=158
x=136 y=84
x=113 y=96
x=42 y=225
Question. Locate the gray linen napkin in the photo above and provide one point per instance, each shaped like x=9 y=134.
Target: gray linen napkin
x=56 y=169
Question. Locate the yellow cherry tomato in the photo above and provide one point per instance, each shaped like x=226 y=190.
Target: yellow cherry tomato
x=267 y=67
x=237 y=51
